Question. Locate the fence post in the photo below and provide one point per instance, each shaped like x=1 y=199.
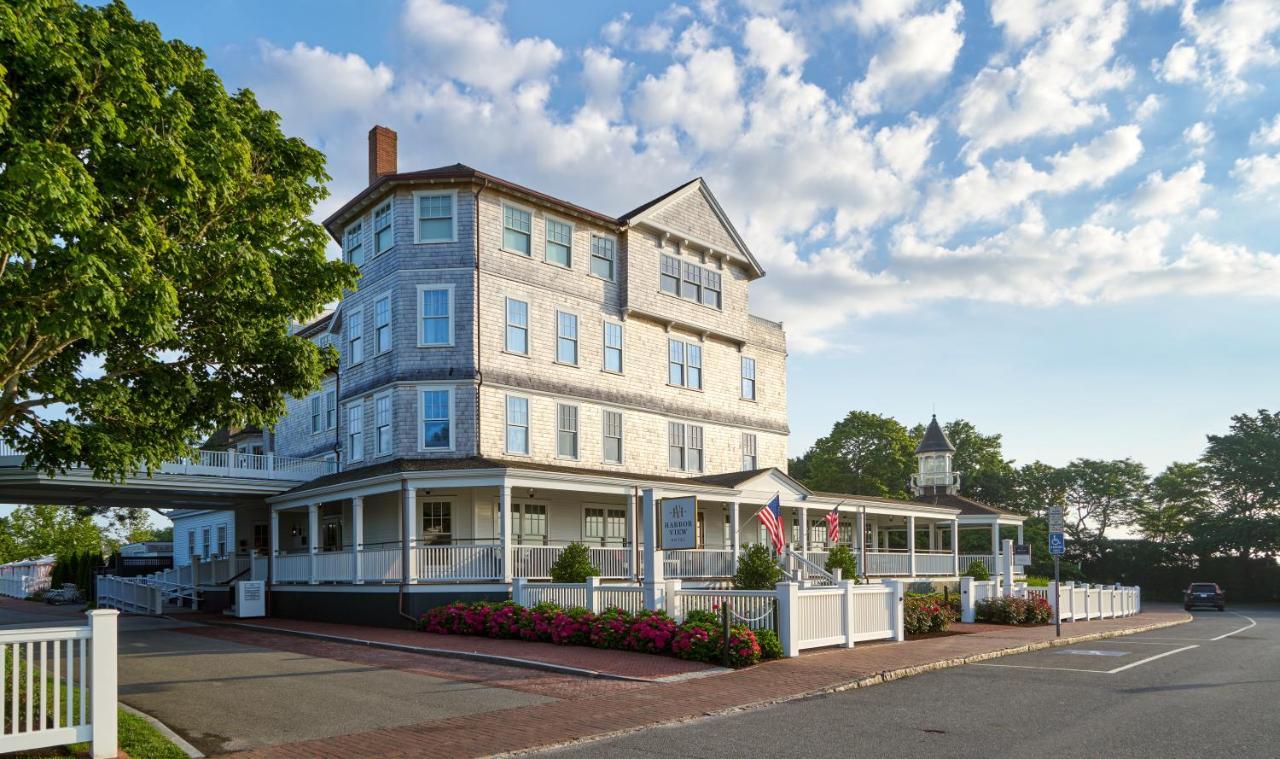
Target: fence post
x=1007 y=567
x=1070 y=587
x=671 y=599
x=517 y=590
x=1137 y=599
x=102 y=682
x=788 y=608
x=967 y=604
x=593 y=595
x=849 y=615
x=1053 y=600
x=898 y=593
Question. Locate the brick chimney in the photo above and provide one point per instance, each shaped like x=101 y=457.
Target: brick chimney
x=382 y=152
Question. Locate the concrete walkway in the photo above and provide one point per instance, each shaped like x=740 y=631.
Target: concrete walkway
x=562 y=722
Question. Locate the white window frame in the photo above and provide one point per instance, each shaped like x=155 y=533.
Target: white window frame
x=422 y=420
x=577 y=339
x=682 y=445
x=605 y=436
x=569 y=412
x=417 y=217
x=378 y=350
x=206 y=542
x=317 y=413
x=221 y=542
x=422 y=343
x=355 y=431
x=507 y=424
x=605 y=348
x=330 y=410
x=613 y=262
x=358 y=227
x=686 y=349
x=692 y=432
x=547 y=221
x=391 y=225
x=502 y=227
x=379 y=425
x=750 y=450
x=509 y=325
x=355 y=332
x=744 y=378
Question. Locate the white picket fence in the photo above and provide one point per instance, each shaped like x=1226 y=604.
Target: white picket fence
x=593 y=595
x=23 y=579
x=130 y=594
x=1077 y=602
x=61 y=686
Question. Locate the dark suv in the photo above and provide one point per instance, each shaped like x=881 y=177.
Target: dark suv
x=1204 y=594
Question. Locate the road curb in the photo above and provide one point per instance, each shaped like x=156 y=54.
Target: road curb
x=864 y=682
x=191 y=751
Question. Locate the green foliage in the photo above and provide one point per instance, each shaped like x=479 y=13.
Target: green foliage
x=1014 y=611
x=757 y=569
x=1101 y=495
x=153 y=225
x=985 y=474
x=1037 y=581
x=573 y=565
x=841 y=557
x=977 y=570
x=701 y=616
x=926 y=614
x=770 y=646
x=865 y=453
x=1244 y=470
x=31 y=531
x=78 y=567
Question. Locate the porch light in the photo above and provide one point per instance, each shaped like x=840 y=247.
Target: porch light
x=296 y=531
x=531 y=492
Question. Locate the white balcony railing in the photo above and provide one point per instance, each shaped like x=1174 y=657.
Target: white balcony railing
x=935 y=479
x=223 y=464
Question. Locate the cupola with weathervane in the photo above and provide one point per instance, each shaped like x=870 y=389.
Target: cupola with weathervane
x=934 y=456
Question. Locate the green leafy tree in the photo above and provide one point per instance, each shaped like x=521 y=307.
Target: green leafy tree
x=865 y=454
x=156 y=244
x=573 y=565
x=1037 y=486
x=1100 y=495
x=841 y=557
x=1243 y=467
x=42 y=530
x=757 y=569
x=1178 y=509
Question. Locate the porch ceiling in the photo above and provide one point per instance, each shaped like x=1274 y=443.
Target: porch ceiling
x=166 y=491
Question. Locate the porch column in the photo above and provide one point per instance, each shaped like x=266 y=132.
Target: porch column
x=933 y=536
x=862 y=542
x=911 y=546
x=955 y=547
x=408 y=499
x=995 y=539
x=632 y=548
x=804 y=531
x=504 y=529
x=275 y=540
x=313 y=530
x=357 y=537
x=735 y=533
x=654 y=581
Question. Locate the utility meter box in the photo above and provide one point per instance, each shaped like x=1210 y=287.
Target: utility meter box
x=251 y=599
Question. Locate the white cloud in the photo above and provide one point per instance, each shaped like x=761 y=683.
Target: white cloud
x=474 y=50
x=919 y=53
x=1258 y=174
x=614 y=31
x=1181 y=192
x=771 y=47
x=1149 y=106
x=1266 y=133
x=1025 y=19
x=602 y=78
x=1226 y=41
x=1179 y=64
x=870 y=15
x=1198 y=136
x=700 y=96
x=351 y=84
x=1052 y=90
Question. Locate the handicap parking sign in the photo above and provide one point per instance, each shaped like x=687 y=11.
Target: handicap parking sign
x=1057 y=546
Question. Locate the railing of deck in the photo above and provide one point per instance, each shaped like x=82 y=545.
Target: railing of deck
x=535 y=562
x=458 y=562
x=224 y=464
x=698 y=563
x=934 y=563
x=887 y=563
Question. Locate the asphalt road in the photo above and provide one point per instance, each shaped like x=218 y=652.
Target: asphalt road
x=1185 y=691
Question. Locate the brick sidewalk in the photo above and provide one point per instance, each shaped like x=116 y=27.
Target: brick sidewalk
x=822 y=671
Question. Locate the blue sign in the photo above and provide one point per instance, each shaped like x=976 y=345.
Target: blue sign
x=1057 y=546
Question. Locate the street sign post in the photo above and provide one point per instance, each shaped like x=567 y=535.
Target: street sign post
x=1057 y=546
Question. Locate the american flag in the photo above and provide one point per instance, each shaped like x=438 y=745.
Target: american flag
x=771 y=517
x=833 y=525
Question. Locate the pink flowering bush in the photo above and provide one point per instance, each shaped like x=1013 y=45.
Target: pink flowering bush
x=611 y=628
x=744 y=649
x=535 y=622
x=696 y=641
x=651 y=632
x=927 y=614
x=572 y=627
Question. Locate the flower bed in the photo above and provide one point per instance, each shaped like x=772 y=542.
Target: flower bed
x=650 y=632
x=1014 y=611
x=926 y=614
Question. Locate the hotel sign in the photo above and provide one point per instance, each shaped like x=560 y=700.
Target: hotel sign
x=678 y=523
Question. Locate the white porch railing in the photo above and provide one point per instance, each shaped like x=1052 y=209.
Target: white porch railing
x=992 y=563
x=293 y=567
x=380 y=564
x=334 y=566
x=465 y=562
x=222 y=464
x=698 y=563
x=890 y=563
x=934 y=563
x=131 y=594
x=62 y=686
x=534 y=562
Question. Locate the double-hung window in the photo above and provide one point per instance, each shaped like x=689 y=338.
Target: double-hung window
x=206 y=551
x=612 y=452
x=517 y=229
x=684 y=447
x=382 y=324
x=222 y=540
x=676 y=446
x=192 y=548
x=559 y=243
x=517 y=327
x=517 y=425
x=613 y=347
x=748 y=378
x=567 y=431
x=604 y=257
x=530 y=523
x=695 y=456
x=330 y=409
x=437 y=522
x=383 y=236
x=566 y=338
x=355 y=337
x=684 y=364
x=604 y=526
x=353 y=243
x=669 y=280
x=691 y=287
x=436 y=315
x=749 y=457
x=593 y=524
x=711 y=285
x=355 y=432
x=437 y=418
x=435 y=217
x=317 y=413
x=382 y=424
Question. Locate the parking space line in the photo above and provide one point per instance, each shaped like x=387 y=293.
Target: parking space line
x=1252 y=623
x=1056 y=669
x=1150 y=659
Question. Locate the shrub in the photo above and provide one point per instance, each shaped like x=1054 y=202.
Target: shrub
x=651 y=632
x=770 y=646
x=702 y=616
x=572 y=627
x=504 y=620
x=842 y=558
x=977 y=570
x=744 y=649
x=1036 y=581
x=1014 y=611
x=696 y=641
x=926 y=614
x=757 y=569
x=610 y=628
x=573 y=565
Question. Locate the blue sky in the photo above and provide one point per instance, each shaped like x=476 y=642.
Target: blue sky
x=1050 y=217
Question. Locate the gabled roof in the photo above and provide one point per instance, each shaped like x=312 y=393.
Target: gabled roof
x=646 y=214
x=935 y=440
x=967 y=506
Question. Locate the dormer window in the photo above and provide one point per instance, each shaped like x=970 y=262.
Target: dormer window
x=691 y=281
x=383 y=234
x=353 y=244
x=435 y=217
